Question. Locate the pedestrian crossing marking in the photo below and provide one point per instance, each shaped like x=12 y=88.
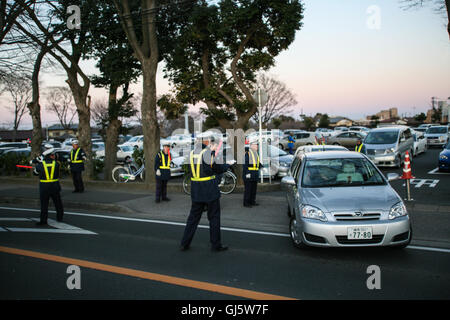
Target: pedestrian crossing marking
x=57 y=227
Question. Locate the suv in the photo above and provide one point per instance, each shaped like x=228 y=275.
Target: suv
x=388 y=146
x=437 y=135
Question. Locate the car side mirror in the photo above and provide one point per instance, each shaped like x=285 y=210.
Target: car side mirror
x=392 y=176
x=288 y=181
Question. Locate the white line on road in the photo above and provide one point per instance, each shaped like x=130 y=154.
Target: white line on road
x=443 y=250
x=436 y=171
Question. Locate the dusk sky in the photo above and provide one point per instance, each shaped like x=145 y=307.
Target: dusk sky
x=351 y=58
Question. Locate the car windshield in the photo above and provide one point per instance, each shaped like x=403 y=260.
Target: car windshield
x=126 y=148
x=383 y=137
x=437 y=130
x=326 y=173
x=134 y=139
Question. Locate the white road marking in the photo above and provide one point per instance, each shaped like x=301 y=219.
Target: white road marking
x=418 y=183
x=58 y=227
x=285 y=235
x=46 y=230
x=436 y=171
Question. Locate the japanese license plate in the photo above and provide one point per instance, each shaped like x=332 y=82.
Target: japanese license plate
x=359 y=233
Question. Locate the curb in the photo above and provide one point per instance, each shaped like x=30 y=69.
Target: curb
x=133 y=186
x=68 y=205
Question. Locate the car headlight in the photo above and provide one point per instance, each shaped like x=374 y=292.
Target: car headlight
x=390 y=150
x=443 y=157
x=311 y=212
x=284 y=164
x=398 y=210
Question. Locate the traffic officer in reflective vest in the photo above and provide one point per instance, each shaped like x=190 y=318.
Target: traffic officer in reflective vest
x=77 y=157
x=48 y=170
x=205 y=192
x=359 y=146
x=291 y=143
x=162 y=170
x=250 y=174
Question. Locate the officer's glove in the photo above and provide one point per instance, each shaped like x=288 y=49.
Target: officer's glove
x=40 y=159
x=248 y=176
x=158 y=172
x=231 y=162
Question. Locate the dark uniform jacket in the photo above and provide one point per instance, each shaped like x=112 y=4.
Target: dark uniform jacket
x=44 y=185
x=76 y=160
x=207 y=190
x=162 y=159
x=249 y=164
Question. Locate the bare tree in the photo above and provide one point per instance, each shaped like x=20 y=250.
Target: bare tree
x=67 y=48
x=19 y=88
x=60 y=102
x=439 y=6
x=280 y=99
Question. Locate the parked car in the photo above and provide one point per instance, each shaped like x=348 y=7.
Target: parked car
x=337 y=129
x=357 y=128
x=325 y=212
x=124 y=153
x=437 y=135
x=387 y=146
x=136 y=142
x=13 y=145
x=325 y=132
x=54 y=144
x=319 y=148
x=178 y=140
x=176 y=165
x=21 y=152
x=444 y=159
x=280 y=162
x=420 y=143
x=347 y=139
x=301 y=139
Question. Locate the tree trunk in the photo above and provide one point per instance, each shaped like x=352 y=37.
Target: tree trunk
x=80 y=95
x=35 y=108
x=112 y=138
x=150 y=125
x=112 y=135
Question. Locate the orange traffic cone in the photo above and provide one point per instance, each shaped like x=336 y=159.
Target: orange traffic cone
x=407 y=168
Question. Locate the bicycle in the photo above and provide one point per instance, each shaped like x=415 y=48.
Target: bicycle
x=128 y=172
x=227 y=182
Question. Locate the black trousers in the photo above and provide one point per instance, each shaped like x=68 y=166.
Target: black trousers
x=78 y=180
x=45 y=196
x=250 y=192
x=194 y=219
x=161 y=189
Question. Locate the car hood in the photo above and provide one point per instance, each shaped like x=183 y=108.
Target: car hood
x=350 y=198
x=379 y=146
x=287 y=158
x=445 y=152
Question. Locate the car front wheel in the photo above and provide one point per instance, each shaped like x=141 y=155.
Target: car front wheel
x=295 y=235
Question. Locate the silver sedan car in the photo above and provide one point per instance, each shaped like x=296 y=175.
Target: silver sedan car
x=341 y=199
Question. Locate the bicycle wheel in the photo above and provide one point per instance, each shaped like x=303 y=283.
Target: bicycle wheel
x=119 y=174
x=228 y=183
x=187 y=184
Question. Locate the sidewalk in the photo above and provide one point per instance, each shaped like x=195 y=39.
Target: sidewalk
x=134 y=201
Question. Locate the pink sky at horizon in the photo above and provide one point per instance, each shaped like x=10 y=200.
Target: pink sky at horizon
x=339 y=66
